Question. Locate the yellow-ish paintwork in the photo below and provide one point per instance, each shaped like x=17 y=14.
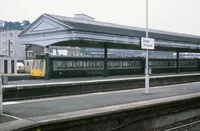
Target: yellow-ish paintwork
x=38 y=72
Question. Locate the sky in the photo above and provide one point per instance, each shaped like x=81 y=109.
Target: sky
x=170 y=15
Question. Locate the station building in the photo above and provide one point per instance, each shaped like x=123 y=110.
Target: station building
x=50 y=30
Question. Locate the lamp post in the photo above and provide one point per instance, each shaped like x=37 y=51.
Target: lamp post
x=1 y=96
x=147 y=55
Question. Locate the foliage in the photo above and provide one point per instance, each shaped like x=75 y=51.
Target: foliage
x=8 y=25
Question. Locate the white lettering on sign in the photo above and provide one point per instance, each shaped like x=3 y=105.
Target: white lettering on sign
x=147 y=43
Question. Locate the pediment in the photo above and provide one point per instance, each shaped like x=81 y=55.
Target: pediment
x=44 y=25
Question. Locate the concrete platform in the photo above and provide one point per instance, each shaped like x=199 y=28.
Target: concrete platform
x=95 y=78
x=18 y=77
x=32 y=112
x=30 y=89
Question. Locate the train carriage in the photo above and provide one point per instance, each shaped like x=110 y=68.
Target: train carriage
x=68 y=66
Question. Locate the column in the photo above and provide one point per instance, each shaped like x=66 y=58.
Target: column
x=15 y=67
x=1 y=66
x=177 y=62
x=9 y=66
x=47 y=69
x=105 y=60
x=198 y=64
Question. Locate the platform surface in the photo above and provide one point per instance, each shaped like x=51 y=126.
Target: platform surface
x=50 y=107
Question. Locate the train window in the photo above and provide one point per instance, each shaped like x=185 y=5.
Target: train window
x=37 y=64
x=83 y=64
x=33 y=65
x=109 y=64
x=132 y=64
x=112 y=64
x=92 y=64
x=135 y=64
x=123 y=64
x=97 y=64
x=126 y=63
x=73 y=64
x=80 y=64
x=70 y=64
x=118 y=63
x=88 y=64
x=101 y=64
x=41 y=65
x=61 y=64
x=77 y=64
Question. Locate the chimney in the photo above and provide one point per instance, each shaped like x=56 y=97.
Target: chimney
x=83 y=17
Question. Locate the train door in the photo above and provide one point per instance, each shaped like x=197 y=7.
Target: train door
x=12 y=66
x=5 y=66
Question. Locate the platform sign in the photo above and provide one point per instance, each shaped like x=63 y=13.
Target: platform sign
x=48 y=50
x=147 y=43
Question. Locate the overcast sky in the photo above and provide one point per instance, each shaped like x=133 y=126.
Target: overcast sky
x=171 y=15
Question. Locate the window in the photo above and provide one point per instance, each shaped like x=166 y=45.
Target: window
x=41 y=65
x=11 y=53
x=30 y=54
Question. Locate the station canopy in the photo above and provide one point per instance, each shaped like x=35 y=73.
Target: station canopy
x=85 y=31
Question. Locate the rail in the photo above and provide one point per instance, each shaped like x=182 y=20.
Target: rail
x=184 y=126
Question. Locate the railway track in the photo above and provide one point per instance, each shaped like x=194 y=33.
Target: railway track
x=185 y=127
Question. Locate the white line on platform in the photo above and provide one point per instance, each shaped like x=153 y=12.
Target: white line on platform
x=91 y=94
x=13 y=117
x=10 y=103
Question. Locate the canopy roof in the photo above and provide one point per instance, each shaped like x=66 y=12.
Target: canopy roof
x=57 y=30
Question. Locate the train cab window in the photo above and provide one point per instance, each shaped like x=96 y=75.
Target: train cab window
x=41 y=65
x=37 y=65
x=33 y=65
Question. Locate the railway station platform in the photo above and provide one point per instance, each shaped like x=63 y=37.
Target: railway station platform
x=30 y=82
x=39 y=112
x=31 y=89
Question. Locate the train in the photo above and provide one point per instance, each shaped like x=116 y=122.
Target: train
x=66 y=66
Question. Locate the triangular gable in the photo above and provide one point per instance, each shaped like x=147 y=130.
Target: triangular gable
x=44 y=24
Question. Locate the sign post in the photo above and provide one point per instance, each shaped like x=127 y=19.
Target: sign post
x=147 y=43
